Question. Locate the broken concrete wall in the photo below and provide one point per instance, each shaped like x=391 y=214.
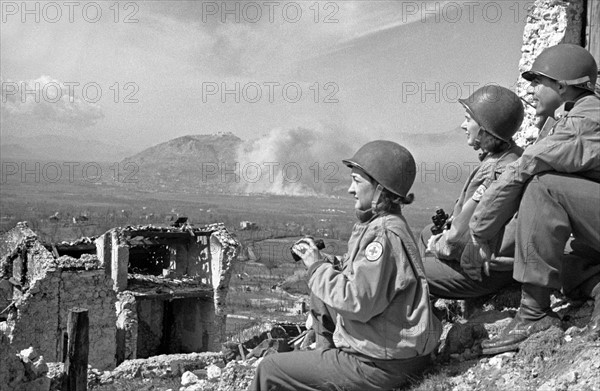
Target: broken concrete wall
x=203 y=257
x=44 y=288
x=24 y=259
x=549 y=23
x=153 y=290
x=92 y=290
x=41 y=317
x=22 y=371
x=224 y=250
x=127 y=327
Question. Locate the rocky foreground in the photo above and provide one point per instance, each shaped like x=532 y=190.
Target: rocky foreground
x=557 y=359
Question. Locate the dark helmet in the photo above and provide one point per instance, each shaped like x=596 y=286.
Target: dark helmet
x=567 y=63
x=388 y=163
x=498 y=110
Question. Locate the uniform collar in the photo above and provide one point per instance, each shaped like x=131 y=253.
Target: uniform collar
x=563 y=110
x=364 y=216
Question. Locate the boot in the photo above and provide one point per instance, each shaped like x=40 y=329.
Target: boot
x=592 y=331
x=534 y=315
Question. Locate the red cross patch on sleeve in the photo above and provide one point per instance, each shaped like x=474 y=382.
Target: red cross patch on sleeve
x=479 y=193
x=373 y=251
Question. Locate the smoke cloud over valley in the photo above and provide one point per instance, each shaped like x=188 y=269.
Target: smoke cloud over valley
x=301 y=162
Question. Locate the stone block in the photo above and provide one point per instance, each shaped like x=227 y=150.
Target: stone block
x=119 y=264
x=104 y=251
x=188 y=378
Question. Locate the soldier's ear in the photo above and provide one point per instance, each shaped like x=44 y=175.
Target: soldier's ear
x=562 y=87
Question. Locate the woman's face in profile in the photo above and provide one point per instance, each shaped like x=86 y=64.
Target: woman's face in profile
x=471 y=128
x=362 y=189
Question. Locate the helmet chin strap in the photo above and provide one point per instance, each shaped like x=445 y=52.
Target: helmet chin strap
x=376 y=196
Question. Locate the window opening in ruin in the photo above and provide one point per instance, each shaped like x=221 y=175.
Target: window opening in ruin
x=149 y=259
x=165 y=253
x=75 y=251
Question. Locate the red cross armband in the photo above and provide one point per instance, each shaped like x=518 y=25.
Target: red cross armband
x=481 y=190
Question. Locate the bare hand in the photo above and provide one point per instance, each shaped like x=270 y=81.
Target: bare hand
x=486 y=254
x=307 y=250
x=431 y=242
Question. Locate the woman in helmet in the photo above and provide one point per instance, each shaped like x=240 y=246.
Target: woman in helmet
x=493 y=115
x=374 y=321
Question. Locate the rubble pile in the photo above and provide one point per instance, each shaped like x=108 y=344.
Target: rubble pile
x=86 y=262
x=172 y=365
x=26 y=371
x=267 y=338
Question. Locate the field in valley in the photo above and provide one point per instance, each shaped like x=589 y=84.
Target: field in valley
x=265 y=261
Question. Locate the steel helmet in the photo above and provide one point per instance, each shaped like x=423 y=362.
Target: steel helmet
x=388 y=163
x=567 y=63
x=498 y=110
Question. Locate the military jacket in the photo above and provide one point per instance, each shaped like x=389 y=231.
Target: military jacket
x=454 y=244
x=380 y=296
x=572 y=147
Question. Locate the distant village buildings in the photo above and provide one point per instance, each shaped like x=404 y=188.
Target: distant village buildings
x=248 y=225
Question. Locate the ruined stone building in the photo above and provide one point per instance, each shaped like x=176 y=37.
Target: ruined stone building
x=148 y=290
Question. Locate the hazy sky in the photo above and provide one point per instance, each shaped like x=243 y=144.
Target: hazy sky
x=171 y=68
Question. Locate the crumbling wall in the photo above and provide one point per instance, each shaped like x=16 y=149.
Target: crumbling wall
x=44 y=288
x=8 y=361
x=22 y=371
x=224 y=250
x=24 y=259
x=91 y=289
x=127 y=327
x=549 y=23
x=200 y=266
x=180 y=310
x=41 y=316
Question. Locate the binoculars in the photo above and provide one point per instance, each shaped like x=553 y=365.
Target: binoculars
x=318 y=242
x=439 y=221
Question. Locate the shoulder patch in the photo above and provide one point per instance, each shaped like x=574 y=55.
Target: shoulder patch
x=373 y=251
x=479 y=193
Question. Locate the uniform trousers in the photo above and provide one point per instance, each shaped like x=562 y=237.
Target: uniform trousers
x=329 y=368
x=332 y=369
x=447 y=280
x=553 y=207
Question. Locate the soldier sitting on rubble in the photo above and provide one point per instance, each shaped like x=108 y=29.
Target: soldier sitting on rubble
x=374 y=321
x=555 y=187
x=493 y=115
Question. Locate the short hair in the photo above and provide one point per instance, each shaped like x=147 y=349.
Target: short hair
x=388 y=201
x=492 y=144
x=392 y=203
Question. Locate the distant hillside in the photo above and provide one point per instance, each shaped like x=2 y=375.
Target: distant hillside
x=223 y=163
x=193 y=148
x=61 y=148
x=18 y=152
x=189 y=163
